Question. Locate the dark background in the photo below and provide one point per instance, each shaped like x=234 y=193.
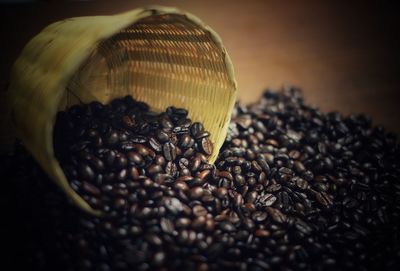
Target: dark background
x=344 y=55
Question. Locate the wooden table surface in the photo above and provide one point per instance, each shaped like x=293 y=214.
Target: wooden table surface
x=345 y=56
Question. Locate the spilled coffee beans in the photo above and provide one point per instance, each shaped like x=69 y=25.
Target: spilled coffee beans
x=293 y=189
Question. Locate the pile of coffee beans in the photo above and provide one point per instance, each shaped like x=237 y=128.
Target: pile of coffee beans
x=293 y=189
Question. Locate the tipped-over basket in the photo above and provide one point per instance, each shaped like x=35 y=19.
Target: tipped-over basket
x=159 y=55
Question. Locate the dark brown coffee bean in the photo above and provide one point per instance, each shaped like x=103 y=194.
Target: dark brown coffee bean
x=90 y=189
x=128 y=121
x=96 y=164
x=167 y=225
x=221 y=192
x=259 y=217
x=262 y=233
x=196 y=192
x=204 y=174
x=292 y=188
x=154 y=239
x=122 y=175
x=183 y=222
x=112 y=138
x=225 y=174
x=133 y=173
x=276 y=215
x=301 y=183
x=206 y=146
x=162 y=136
x=154 y=169
x=199 y=210
x=196 y=128
x=185 y=141
x=323 y=199
x=86 y=172
x=155 y=144
x=227 y=226
x=266 y=200
x=120 y=161
x=169 y=151
x=183 y=163
x=134 y=158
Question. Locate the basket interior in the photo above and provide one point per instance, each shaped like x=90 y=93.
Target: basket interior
x=162 y=60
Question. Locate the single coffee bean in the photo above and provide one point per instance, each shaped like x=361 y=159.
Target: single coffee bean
x=169 y=151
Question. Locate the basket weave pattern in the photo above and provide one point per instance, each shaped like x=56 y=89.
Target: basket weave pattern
x=161 y=56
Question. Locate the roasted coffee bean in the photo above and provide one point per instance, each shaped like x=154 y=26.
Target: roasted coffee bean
x=292 y=188
x=154 y=169
x=134 y=158
x=323 y=199
x=120 y=161
x=183 y=163
x=276 y=215
x=171 y=169
x=199 y=210
x=169 y=151
x=266 y=200
x=91 y=189
x=259 y=216
x=206 y=145
x=162 y=136
x=112 y=138
x=227 y=226
x=86 y=172
x=221 y=192
x=155 y=144
x=196 y=192
x=262 y=233
x=196 y=128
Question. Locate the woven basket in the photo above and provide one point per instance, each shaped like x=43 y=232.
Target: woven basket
x=159 y=55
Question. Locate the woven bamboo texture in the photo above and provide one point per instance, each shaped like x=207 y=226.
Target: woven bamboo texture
x=159 y=55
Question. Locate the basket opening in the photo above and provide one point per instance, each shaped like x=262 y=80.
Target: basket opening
x=161 y=59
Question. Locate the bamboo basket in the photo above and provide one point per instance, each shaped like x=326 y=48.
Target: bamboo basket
x=159 y=55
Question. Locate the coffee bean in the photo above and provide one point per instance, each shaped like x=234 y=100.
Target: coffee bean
x=183 y=222
x=167 y=225
x=206 y=146
x=154 y=169
x=169 y=151
x=199 y=210
x=221 y=192
x=86 y=172
x=91 y=189
x=226 y=226
x=134 y=158
x=122 y=175
x=173 y=205
x=155 y=144
x=262 y=233
x=120 y=161
x=203 y=174
x=267 y=200
x=323 y=199
x=259 y=216
x=276 y=215
x=196 y=128
x=171 y=169
x=112 y=138
x=159 y=258
x=196 y=192
x=154 y=239
x=292 y=188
